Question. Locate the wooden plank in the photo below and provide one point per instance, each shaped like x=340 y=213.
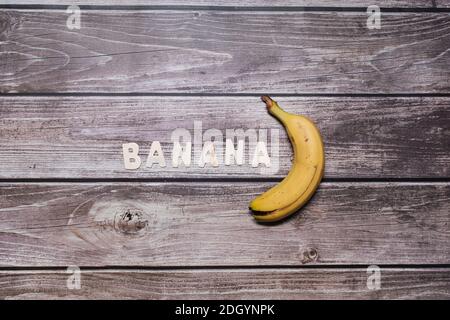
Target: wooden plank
x=442 y=3
x=272 y=284
x=207 y=224
x=82 y=137
x=224 y=52
x=259 y=3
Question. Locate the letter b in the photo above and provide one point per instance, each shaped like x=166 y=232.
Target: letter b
x=131 y=158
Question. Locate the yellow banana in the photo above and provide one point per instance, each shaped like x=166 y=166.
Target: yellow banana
x=305 y=175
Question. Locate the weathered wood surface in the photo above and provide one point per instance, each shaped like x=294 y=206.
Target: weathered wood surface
x=191 y=224
x=272 y=284
x=224 y=52
x=443 y=3
x=208 y=224
x=258 y=3
x=82 y=137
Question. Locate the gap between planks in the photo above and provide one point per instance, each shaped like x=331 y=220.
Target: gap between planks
x=224 y=268
x=415 y=181
x=218 y=95
x=224 y=8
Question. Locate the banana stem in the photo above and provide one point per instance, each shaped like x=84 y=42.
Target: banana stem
x=268 y=101
x=274 y=108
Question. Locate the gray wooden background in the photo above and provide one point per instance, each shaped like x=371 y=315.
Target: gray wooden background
x=70 y=98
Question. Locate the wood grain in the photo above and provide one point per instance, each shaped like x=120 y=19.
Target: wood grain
x=443 y=3
x=271 y=284
x=246 y=3
x=82 y=137
x=224 y=52
x=195 y=239
x=207 y=224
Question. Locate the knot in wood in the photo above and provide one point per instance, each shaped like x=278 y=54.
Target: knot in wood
x=310 y=255
x=131 y=221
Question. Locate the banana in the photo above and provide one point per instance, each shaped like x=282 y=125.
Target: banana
x=306 y=172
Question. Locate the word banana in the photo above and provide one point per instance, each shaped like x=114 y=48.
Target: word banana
x=210 y=148
x=306 y=172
